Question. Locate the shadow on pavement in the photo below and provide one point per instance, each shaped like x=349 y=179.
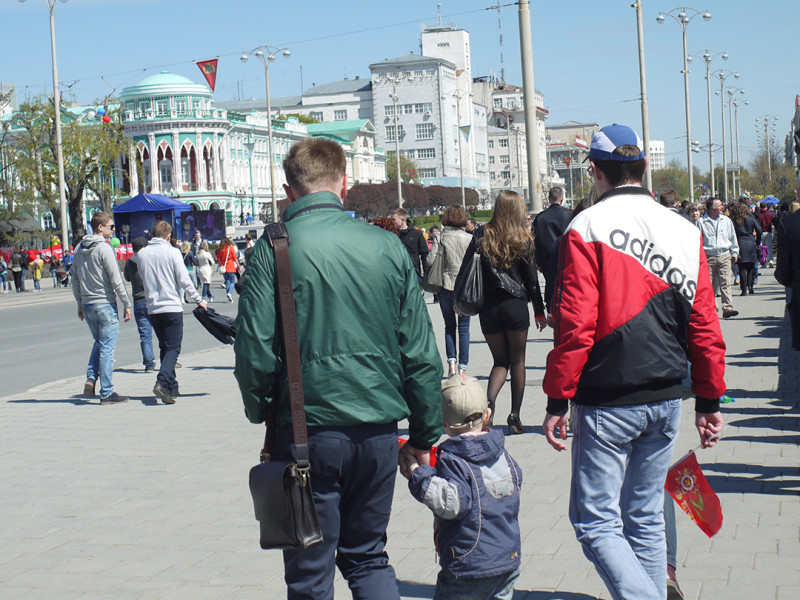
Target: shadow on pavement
x=75 y=401
x=753 y=479
x=411 y=589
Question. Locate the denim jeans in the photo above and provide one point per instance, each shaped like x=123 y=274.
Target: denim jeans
x=353 y=471
x=499 y=587
x=620 y=458
x=446 y=304
x=206 y=291
x=4 y=281
x=145 y=334
x=230 y=281
x=168 y=328
x=54 y=276
x=103 y=322
x=37 y=284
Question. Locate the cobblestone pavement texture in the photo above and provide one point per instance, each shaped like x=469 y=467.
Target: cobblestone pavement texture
x=144 y=500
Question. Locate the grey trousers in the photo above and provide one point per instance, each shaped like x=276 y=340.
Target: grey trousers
x=721 y=271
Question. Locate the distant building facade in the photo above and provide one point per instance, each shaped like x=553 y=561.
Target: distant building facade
x=658 y=158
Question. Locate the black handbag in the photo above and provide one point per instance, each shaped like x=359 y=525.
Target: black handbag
x=468 y=288
x=281 y=490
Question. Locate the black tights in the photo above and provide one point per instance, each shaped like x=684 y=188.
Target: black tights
x=508 y=353
x=747 y=273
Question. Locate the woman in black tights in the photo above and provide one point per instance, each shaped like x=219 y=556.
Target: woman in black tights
x=748 y=234
x=510 y=281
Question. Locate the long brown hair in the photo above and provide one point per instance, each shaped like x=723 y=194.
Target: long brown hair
x=739 y=213
x=505 y=238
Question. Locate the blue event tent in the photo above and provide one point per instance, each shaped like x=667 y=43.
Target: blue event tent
x=772 y=200
x=137 y=216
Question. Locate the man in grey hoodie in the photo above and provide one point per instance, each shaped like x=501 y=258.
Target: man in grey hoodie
x=96 y=285
x=164 y=277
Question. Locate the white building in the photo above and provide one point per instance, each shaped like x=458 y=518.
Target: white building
x=508 y=148
x=658 y=159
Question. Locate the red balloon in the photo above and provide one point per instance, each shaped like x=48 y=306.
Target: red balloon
x=106 y=119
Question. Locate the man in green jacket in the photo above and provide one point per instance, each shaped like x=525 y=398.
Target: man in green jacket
x=368 y=358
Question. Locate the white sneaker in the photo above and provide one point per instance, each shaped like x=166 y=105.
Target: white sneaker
x=230 y=299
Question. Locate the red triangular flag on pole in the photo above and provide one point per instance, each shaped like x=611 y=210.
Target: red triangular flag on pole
x=209 y=69
x=688 y=486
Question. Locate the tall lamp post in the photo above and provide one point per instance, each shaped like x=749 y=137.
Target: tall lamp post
x=734 y=157
x=707 y=58
x=250 y=147
x=683 y=19
x=458 y=95
x=62 y=194
x=736 y=103
x=768 y=121
x=643 y=88
x=266 y=54
x=393 y=97
x=722 y=74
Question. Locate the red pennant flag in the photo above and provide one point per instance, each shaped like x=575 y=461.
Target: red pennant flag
x=209 y=70
x=688 y=486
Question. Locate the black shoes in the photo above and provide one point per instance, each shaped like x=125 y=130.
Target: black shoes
x=514 y=425
x=163 y=394
x=114 y=398
x=727 y=314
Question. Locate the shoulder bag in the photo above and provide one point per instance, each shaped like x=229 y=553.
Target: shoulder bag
x=281 y=490
x=433 y=281
x=468 y=288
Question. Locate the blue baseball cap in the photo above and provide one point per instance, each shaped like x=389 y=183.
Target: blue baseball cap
x=611 y=137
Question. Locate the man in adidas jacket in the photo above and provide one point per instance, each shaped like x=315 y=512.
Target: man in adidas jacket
x=633 y=300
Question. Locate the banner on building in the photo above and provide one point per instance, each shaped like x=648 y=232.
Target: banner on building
x=209 y=70
x=688 y=486
x=465 y=130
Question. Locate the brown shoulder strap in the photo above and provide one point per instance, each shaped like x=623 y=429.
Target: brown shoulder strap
x=279 y=240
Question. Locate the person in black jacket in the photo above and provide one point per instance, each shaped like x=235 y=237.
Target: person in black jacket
x=510 y=281
x=787 y=271
x=748 y=234
x=549 y=225
x=412 y=239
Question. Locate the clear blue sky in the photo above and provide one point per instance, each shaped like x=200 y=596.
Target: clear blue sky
x=585 y=53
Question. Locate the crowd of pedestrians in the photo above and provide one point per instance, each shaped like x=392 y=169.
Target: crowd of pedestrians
x=631 y=287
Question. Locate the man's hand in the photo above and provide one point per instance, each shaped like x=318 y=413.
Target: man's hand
x=80 y=312
x=127 y=314
x=410 y=458
x=551 y=321
x=541 y=323
x=549 y=425
x=709 y=425
x=734 y=260
x=203 y=305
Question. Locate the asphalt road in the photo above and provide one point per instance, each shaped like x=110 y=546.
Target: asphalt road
x=42 y=339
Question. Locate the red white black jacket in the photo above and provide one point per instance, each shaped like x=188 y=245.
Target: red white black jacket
x=633 y=300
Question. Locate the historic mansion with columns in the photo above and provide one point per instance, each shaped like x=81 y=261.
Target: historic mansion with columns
x=212 y=158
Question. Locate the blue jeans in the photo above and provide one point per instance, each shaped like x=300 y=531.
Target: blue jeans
x=4 y=281
x=145 y=334
x=446 y=304
x=206 y=291
x=620 y=458
x=55 y=278
x=230 y=281
x=353 y=471
x=499 y=587
x=37 y=284
x=103 y=322
x=168 y=328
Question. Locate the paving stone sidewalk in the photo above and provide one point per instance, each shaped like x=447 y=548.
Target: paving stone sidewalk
x=146 y=501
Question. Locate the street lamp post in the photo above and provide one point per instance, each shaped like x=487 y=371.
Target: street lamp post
x=266 y=54
x=767 y=137
x=250 y=147
x=722 y=74
x=707 y=58
x=394 y=99
x=683 y=19
x=62 y=193
x=643 y=88
x=731 y=91
x=458 y=95
x=736 y=104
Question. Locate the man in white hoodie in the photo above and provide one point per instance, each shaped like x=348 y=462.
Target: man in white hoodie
x=165 y=277
x=96 y=285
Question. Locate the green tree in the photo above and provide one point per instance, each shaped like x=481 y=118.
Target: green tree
x=773 y=177
x=407 y=168
x=302 y=118
x=91 y=150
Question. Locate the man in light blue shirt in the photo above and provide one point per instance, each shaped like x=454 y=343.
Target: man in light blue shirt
x=722 y=251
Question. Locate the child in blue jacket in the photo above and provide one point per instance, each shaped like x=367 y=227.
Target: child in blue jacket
x=474 y=493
